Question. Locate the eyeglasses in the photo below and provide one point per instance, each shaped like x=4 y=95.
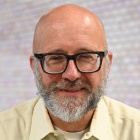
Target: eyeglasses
x=85 y=62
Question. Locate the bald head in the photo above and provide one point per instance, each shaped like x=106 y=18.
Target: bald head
x=67 y=18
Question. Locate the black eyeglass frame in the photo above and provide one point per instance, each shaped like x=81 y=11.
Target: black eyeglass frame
x=41 y=57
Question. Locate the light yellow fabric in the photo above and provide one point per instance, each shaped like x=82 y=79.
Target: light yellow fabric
x=72 y=135
x=112 y=120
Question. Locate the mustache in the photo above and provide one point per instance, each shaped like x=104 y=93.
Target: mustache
x=78 y=84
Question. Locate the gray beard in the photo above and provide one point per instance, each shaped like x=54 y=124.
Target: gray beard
x=69 y=109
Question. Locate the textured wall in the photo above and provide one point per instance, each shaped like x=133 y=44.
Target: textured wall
x=17 y=22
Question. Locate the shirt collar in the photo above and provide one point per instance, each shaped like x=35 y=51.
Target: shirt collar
x=41 y=124
x=100 y=125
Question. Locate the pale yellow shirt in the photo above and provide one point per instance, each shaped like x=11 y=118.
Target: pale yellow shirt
x=112 y=120
x=71 y=135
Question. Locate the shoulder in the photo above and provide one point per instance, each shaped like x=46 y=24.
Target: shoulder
x=124 y=120
x=121 y=110
x=17 y=121
x=19 y=111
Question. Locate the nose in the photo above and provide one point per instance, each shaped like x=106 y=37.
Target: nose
x=71 y=73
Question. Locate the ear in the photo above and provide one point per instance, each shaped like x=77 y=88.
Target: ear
x=31 y=59
x=110 y=56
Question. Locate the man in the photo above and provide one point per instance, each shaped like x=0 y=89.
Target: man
x=71 y=64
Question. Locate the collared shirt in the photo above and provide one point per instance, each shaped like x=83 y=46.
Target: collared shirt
x=112 y=120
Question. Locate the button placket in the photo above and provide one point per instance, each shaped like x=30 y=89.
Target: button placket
x=86 y=136
x=58 y=135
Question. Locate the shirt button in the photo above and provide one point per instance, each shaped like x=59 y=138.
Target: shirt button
x=56 y=134
x=88 y=134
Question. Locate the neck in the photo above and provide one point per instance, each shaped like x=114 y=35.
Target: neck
x=76 y=126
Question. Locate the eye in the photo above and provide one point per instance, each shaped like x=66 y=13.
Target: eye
x=52 y=59
x=86 y=56
x=89 y=57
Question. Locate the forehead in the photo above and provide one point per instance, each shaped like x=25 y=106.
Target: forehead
x=70 y=41
x=68 y=33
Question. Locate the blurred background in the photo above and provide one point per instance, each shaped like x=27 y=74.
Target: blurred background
x=17 y=23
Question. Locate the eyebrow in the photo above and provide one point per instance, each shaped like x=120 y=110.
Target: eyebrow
x=85 y=49
x=57 y=51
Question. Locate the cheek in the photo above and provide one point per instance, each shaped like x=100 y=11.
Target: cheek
x=95 y=79
x=48 y=79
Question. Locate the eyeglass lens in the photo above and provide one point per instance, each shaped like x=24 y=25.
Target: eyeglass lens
x=88 y=62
